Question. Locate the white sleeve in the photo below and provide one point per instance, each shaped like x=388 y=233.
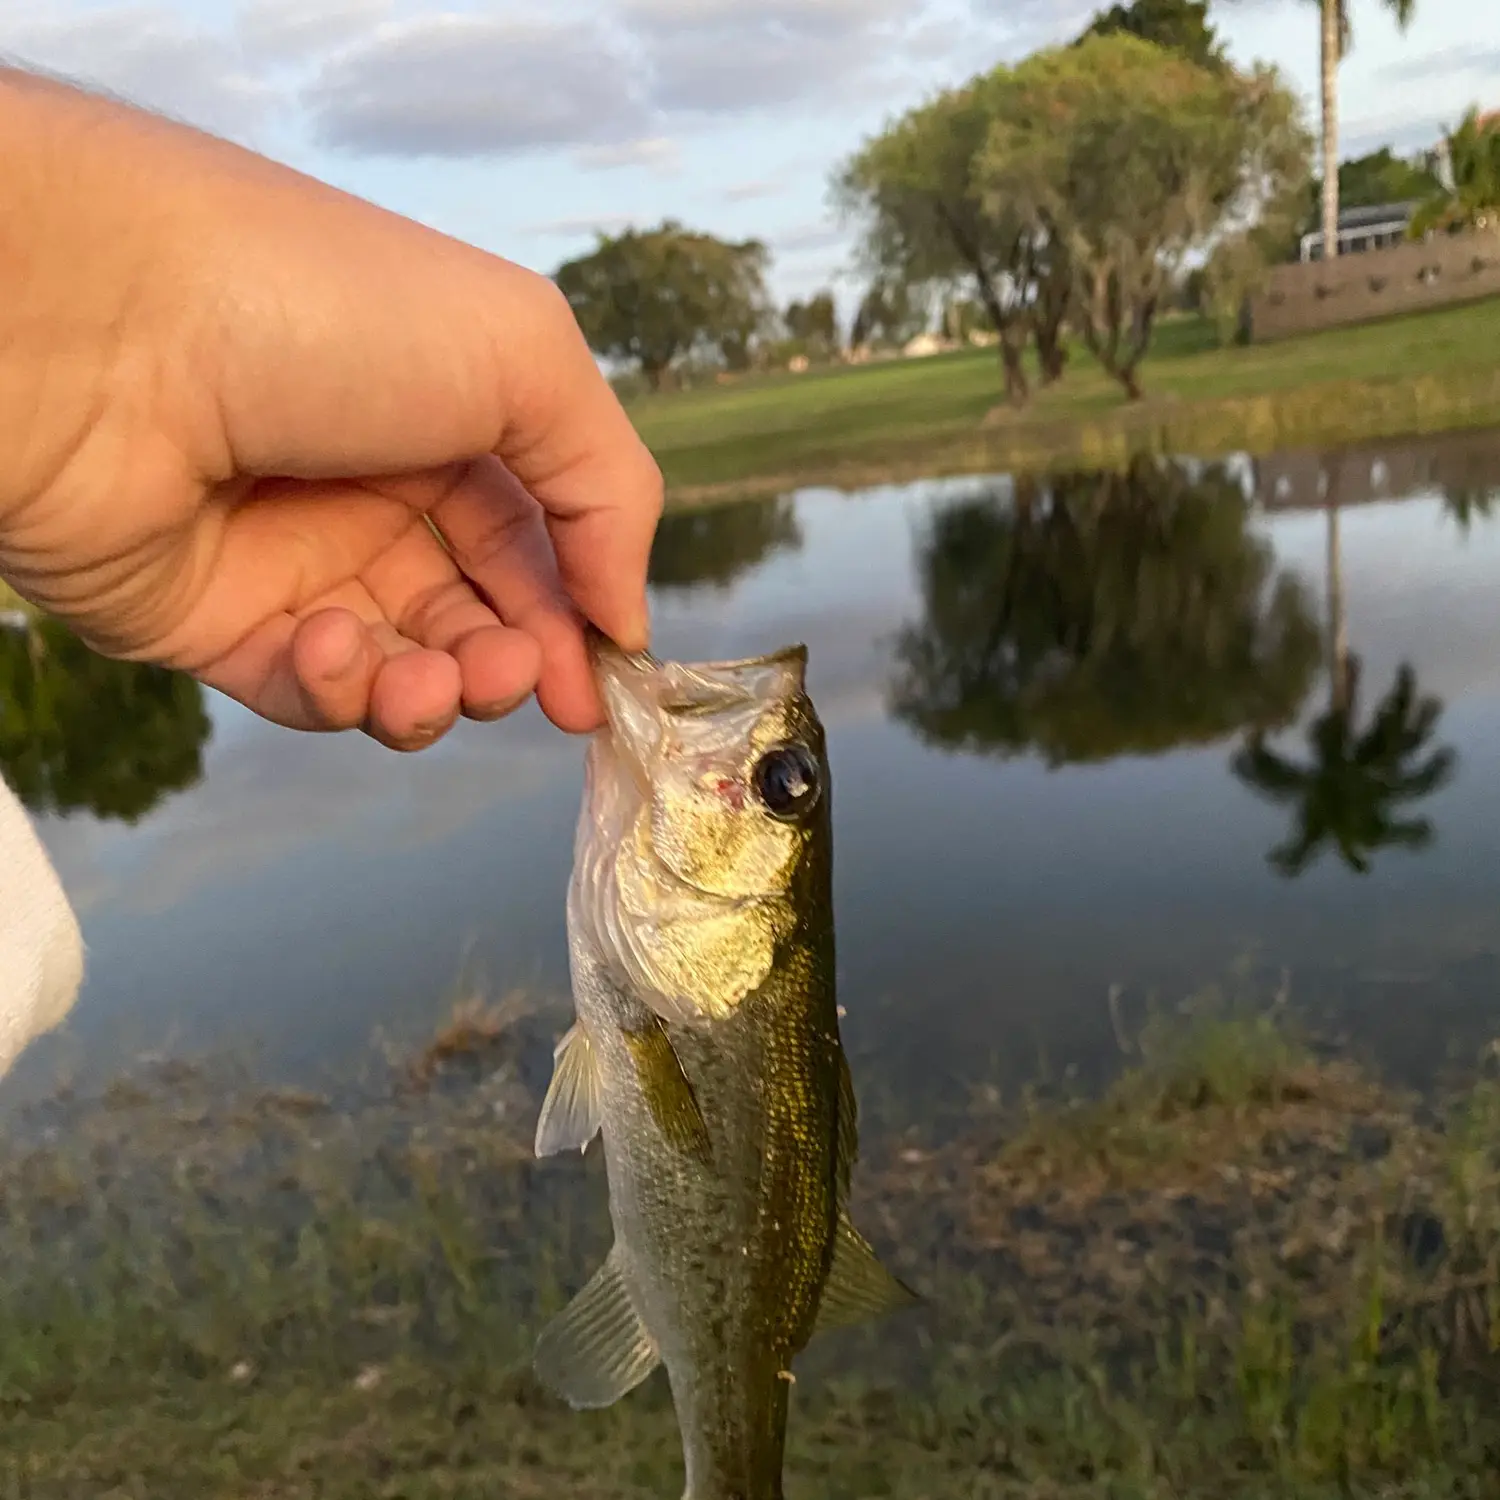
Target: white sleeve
x=41 y=948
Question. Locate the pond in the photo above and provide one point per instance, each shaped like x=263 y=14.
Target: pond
x=1041 y=699
x=1101 y=743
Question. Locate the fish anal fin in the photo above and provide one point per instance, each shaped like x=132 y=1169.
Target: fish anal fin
x=573 y=1108
x=666 y=1089
x=858 y=1287
x=596 y=1349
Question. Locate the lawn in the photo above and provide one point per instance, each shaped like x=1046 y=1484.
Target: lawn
x=904 y=418
x=1247 y=1269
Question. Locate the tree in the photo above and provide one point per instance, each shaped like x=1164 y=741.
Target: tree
x=719 y=543
x=888 y=313
x=1092 y=615
x=1134 y=156
x=1376 y=177
x=1352 y=793
x=1335 y=35
x=653 y=295
x=82 y=733
x=814 y=324
x=1470 y=198
x=1181 y=25
x=926 y=223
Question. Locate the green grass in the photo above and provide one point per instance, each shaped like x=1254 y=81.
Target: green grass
x=1204 y=1281
x=908 y=418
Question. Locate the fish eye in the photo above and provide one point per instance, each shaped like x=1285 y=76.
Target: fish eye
x=786 y=781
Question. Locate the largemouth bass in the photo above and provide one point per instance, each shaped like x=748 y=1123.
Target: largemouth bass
x=706 y=1053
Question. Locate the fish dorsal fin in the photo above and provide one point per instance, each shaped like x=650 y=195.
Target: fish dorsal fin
x=572 y=1109
x=666 y=1089
x=858 y=1287
x=596 y=1349
x=847 y=1130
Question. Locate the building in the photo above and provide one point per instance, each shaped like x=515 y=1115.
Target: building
x=1369 y=228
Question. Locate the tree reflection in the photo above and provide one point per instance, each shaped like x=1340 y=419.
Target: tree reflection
x=1100 y=614
x=82 y=733
x=719 y=543
x=1468 y=505
x=1352 y=792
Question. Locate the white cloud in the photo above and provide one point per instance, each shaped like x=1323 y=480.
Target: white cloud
x=152 y=55
x=759 y=187
x=658 y=152
x=474 y=85
x=291 y=31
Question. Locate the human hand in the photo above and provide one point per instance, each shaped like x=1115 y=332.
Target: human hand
x=233 y=398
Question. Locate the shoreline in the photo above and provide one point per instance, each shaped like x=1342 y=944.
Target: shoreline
x=1327 y=414
x=1246 y=1266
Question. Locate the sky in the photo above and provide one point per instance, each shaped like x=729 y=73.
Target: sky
x=524 y=126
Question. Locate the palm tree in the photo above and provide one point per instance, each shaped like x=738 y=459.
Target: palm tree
x=1352 y=793
x=1335 y=38
x=1469 y=197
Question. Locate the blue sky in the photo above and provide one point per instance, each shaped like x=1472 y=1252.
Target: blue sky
x=520 y=125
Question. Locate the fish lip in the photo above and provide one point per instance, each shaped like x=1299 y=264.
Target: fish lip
x=605 y=654
x=639 y=681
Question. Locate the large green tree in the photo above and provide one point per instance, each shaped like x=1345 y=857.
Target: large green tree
x=718 y=543
x=1182 y=25
x=82 y=733
x=1090 y=615
x=653 y=295
x=925 y=222
x=1135 y=157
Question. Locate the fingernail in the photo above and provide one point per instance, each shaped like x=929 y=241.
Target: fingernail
x=497 y=710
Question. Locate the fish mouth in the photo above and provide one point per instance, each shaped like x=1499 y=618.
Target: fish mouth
x=640 y=691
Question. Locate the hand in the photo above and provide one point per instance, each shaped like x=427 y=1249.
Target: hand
x=238 y=407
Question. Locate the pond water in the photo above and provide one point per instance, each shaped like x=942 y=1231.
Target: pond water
x=1042 y=699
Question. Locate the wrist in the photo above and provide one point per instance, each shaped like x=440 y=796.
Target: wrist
x=72 y=248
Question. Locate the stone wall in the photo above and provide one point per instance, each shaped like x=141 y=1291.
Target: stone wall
x=1376 y=283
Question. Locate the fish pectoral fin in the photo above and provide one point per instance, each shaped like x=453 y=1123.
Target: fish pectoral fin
x=572 y=1110
x=667 y=1091
x=858 y=1286
x=596 y=1349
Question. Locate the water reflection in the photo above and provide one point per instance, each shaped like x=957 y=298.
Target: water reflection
x=1096 y=615
x=80 y=733
x=719 y=544
x=1466 y=506
x=1349 y=795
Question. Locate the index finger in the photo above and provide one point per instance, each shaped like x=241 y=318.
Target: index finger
x=568 y=440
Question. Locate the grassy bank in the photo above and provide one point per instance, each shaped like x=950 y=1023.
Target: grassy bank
x=913 y=418
x=1248 y=1269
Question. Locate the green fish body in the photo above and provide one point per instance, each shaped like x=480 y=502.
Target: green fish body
x=706 y=1053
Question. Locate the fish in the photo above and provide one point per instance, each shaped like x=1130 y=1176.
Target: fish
x=706 y=1056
